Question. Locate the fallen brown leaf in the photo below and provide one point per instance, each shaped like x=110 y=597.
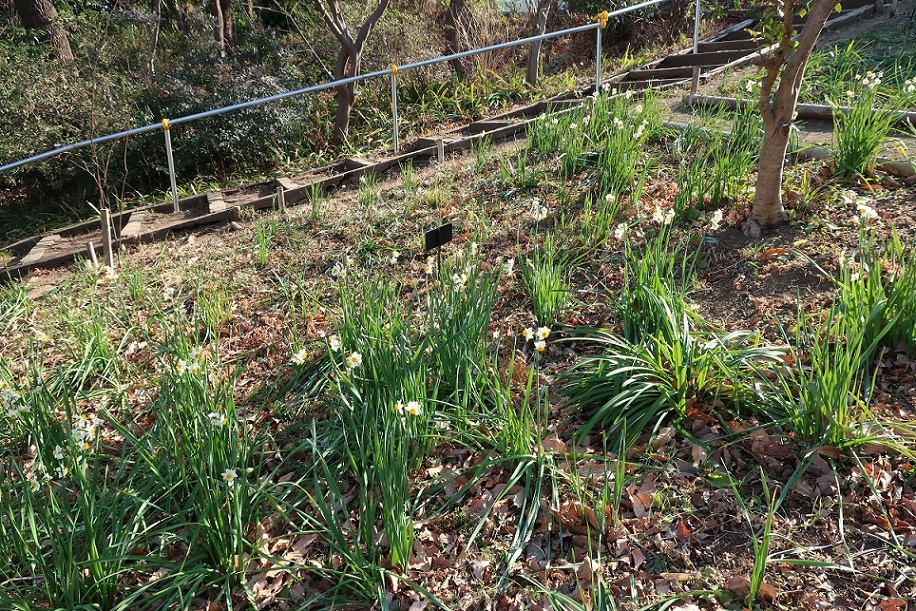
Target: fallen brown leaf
x=738 y=585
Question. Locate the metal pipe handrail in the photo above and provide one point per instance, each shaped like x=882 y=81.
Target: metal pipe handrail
x=322 y=87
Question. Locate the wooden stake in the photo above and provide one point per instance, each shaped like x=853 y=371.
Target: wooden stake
x=91 y=248
x=106 y=238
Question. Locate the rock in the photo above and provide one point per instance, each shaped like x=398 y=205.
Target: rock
x=815 y=152
x=900 y=169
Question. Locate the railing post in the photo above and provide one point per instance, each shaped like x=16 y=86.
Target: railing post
x=695 y=83
x=602 y=23
x=394 y=107
x=167 y=129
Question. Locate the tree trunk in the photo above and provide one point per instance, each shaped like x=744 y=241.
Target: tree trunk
x=346 y=96
x=534 y=55
x=768 y=210
x=348 y=60
x=347 y=66
x=41 y=15
x=223 y=27
x=787 y=64
x=453 y=20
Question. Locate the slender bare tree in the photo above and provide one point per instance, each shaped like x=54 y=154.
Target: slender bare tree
x=785 y=69
x=223 y=27
x=537 y=26
x=349 y=58
x=455 y=17
x=41 y=15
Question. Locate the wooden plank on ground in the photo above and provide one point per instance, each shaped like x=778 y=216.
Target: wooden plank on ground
x=711 y=58
x=40 y=250
x=288 y=184
x=134 y=226
x=215 y=201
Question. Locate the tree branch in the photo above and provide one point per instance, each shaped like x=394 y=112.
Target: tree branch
x=366 y=30
x=336 y=24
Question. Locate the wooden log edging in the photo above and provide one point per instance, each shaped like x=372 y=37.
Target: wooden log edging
x=905 y=170
x=818 y=112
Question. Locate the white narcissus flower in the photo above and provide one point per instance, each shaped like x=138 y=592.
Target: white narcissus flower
x=509 y=267
x=299 y=357
x=540 y=345
x=716 y=220
x=620 y=232
x=412 y=408
x=229 y=476
x=394 y=257
x=58 y=453
x=181 y=366
x=460 y=280
x=658 y=216
x=334 y=343
x=399 y=407
x=866 y=212
x=354 y=360
x=430 y=265
x=217 y=419
x=543 y=332
x=528 y=333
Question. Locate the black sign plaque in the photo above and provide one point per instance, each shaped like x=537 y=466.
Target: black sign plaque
x=438 y=236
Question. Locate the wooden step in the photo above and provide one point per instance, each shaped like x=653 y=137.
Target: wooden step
x=638 y=85
x=658 y=73
x=286 y=183
x=40 y=250
x=728 y=45
x=354 y=163
x=711 y=58
x=215 y=201
x=134 y=226
x=486 y=126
